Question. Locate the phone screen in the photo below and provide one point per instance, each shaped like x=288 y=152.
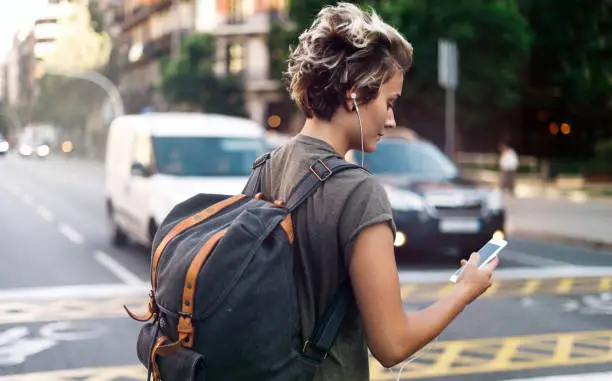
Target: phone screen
x=485 y=253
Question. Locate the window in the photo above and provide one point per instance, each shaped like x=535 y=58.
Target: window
x=279 y=5
x=236 y=11
x=409 y=158
x=142 y=151
x=235 y=58
x=206 y=156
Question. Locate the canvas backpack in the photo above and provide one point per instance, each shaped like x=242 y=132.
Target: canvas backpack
x=223 y=302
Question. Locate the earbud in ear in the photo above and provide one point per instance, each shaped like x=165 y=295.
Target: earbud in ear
x=354 y=98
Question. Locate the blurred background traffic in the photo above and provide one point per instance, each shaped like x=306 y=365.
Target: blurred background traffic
x=113 y=111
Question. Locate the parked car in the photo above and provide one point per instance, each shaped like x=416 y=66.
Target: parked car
x=435 y=209
x=154 y=161
x=34 y=149
x=4 y=145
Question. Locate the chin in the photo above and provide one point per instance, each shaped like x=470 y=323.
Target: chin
x=369 y=148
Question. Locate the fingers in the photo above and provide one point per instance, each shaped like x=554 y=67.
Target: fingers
x=493 y=264
x=474 y=259
x=463 y=262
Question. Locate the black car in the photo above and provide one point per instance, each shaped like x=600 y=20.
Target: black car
x=435 y=209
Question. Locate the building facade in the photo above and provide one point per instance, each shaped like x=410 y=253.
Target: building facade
x=32 y=44
x=152 y=29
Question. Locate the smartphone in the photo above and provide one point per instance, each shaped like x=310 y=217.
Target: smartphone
x=487 y=253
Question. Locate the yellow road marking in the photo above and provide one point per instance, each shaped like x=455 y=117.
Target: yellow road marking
x=36 y=311
x=514 y=288
x=452 y=358
x=605 y=283
x=446 y=358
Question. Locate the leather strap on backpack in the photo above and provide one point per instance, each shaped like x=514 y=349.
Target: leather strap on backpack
x=174 y=232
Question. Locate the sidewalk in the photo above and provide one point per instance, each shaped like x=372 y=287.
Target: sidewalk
x=585 y=222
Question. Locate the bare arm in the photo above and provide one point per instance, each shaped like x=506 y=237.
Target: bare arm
x=393 y=335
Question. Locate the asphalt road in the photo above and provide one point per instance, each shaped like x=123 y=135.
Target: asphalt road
x=62 y=287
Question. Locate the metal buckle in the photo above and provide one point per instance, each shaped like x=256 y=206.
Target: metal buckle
x=329 y=171
x=309 y=346
x=184 y=314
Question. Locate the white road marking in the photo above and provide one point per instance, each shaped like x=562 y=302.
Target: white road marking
x=424 y=276
x=129 y=372
x=86 y=291
x=532 y=260
x=13 y=189
x=45 y=213
x=17 y=351
x=71 y=234
x=27 y=199
x=118 y=269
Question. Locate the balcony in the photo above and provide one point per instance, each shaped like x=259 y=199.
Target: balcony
x=239 y=25
x=141 y=13
x=153 y=50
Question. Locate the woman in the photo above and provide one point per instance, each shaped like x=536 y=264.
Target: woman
x=349 y=68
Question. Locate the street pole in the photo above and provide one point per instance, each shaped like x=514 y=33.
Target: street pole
x=449 y=122
x=448 y=78
x=94 y=77
x=176 y=34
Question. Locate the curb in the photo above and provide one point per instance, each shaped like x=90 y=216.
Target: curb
x=592 y=244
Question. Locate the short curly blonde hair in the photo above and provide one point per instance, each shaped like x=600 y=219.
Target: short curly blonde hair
x=345 y=49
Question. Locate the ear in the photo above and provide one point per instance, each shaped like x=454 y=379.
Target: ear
x=350 y=103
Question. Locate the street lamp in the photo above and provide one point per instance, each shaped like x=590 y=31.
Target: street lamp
x=94 y=77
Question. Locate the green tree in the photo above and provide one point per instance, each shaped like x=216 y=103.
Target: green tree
x=493 y=40
x=191 y=81
x=82 y=47
x=571 y=66
x=4 y=122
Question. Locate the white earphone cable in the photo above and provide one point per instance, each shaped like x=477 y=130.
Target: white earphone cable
x=354 y=98
x=421 y=352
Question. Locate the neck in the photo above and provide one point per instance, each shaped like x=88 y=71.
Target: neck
x=330 y=133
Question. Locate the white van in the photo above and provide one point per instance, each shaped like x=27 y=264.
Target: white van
x=154 y=161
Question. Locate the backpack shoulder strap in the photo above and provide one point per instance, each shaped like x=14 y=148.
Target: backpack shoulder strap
x=327 y=328
x=318 y=173
x=253 y=185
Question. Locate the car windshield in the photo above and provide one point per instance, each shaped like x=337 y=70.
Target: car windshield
x=206 y=156
x=408 y=158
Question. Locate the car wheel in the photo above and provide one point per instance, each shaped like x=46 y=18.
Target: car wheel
x=117 y=237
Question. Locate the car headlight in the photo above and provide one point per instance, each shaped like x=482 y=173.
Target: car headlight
x=43 y=150
x=494 y=200
x=25 y=150
x=404 y=200
x=4 y=146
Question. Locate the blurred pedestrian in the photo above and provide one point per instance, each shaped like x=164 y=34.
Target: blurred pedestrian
x=508 y=167
x=345 y=75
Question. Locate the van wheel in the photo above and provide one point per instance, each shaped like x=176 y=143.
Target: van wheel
x=117 y=237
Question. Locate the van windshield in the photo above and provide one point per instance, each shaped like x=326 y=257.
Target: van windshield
x=206 y=156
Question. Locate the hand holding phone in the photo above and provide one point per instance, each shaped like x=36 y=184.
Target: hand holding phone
x=487 y=253
x=475 y=276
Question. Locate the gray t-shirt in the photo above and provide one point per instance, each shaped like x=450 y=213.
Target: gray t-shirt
x=326 y=227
